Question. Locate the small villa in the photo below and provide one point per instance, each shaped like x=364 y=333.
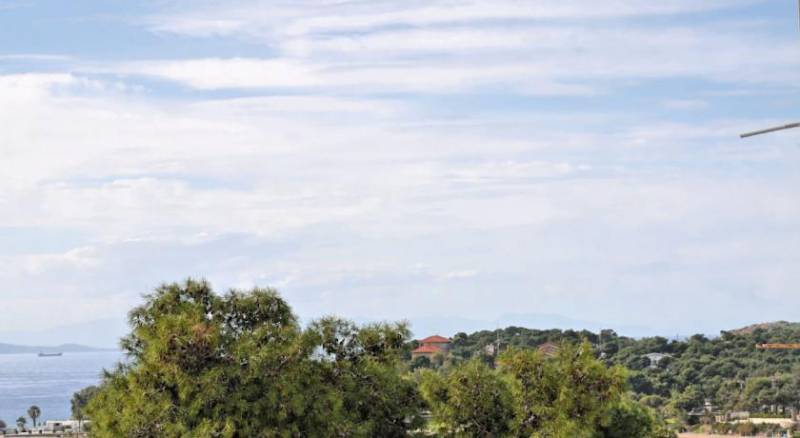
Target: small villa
x=655 y=358
x=431 y=346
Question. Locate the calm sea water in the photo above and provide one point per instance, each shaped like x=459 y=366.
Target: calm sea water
x=48 y=382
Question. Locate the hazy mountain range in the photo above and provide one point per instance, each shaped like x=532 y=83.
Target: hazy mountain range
x=63 y=348
x=98 y=334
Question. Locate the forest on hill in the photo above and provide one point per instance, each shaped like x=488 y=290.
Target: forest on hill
x=240 y=364
x=692 y=380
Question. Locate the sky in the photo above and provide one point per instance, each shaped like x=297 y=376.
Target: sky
x=417 y=160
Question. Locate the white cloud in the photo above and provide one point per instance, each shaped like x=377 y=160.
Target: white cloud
x=383 y=154
x=230 y=73
x=511 y=171
x=267 y=18
x=22 y=87
x=78 y=258
x=452 y=47
x=456 y=275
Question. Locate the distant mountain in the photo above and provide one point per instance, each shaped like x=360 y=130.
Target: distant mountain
x=100 y=333
x=64 y=348
x=765 y=326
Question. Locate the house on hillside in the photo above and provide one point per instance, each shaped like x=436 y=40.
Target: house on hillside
x=431 y=346
x=655 y=358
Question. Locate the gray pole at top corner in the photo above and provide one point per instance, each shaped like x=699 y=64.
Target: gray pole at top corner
x=768 y=130
x=776 y=128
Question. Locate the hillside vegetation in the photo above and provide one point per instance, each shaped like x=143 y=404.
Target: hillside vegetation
x=697 y=375
x=240 y=365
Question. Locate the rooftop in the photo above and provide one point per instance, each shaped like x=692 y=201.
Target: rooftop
x=427 y=349
x=435 y=339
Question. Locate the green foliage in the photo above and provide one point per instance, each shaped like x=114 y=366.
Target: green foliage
x=420 y=362
x=727 y=371
x=528 y=395
x=565 y=396
x=240 y=365
x=80 y=400
x=21 y=421
x=471 y=400
x=359 y=367
x=630 y=419
x=468 y=346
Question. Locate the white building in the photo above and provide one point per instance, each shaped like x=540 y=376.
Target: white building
x=64 y=425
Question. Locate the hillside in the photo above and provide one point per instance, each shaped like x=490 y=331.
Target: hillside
x=726 y=371
x=64 y=348
x=764 y=326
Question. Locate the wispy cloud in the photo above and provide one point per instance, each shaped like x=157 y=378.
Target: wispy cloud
x=267 y=18
x=368 y=156
x=532 y=48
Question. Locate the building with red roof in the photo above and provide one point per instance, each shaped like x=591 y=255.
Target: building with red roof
x=435 y=339
x=431 y=346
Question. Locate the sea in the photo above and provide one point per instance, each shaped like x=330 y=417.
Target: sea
x=48 y=382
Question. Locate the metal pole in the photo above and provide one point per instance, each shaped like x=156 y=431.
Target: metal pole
x=777 y=128
x=764 y=131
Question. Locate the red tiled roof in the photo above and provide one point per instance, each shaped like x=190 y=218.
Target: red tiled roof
x=427 y=349
x=435 y=339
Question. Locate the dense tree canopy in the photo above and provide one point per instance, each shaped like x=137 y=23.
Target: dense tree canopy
x=80 y=401
x=696 y=376
x=628 y=419
x=470 y=400
x=529 y=395
x=563 y=396
x=239 y=365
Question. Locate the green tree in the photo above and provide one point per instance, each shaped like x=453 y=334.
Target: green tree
x=689 y=399
x=34 y=412
x=3 y=425
x=79 y=402
x=21 y=421
x=360 y=365
x=471 y=400
x=421 y=362
x=237 y=365
x=564 y=396
x=727 y=370
x=628 y=419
